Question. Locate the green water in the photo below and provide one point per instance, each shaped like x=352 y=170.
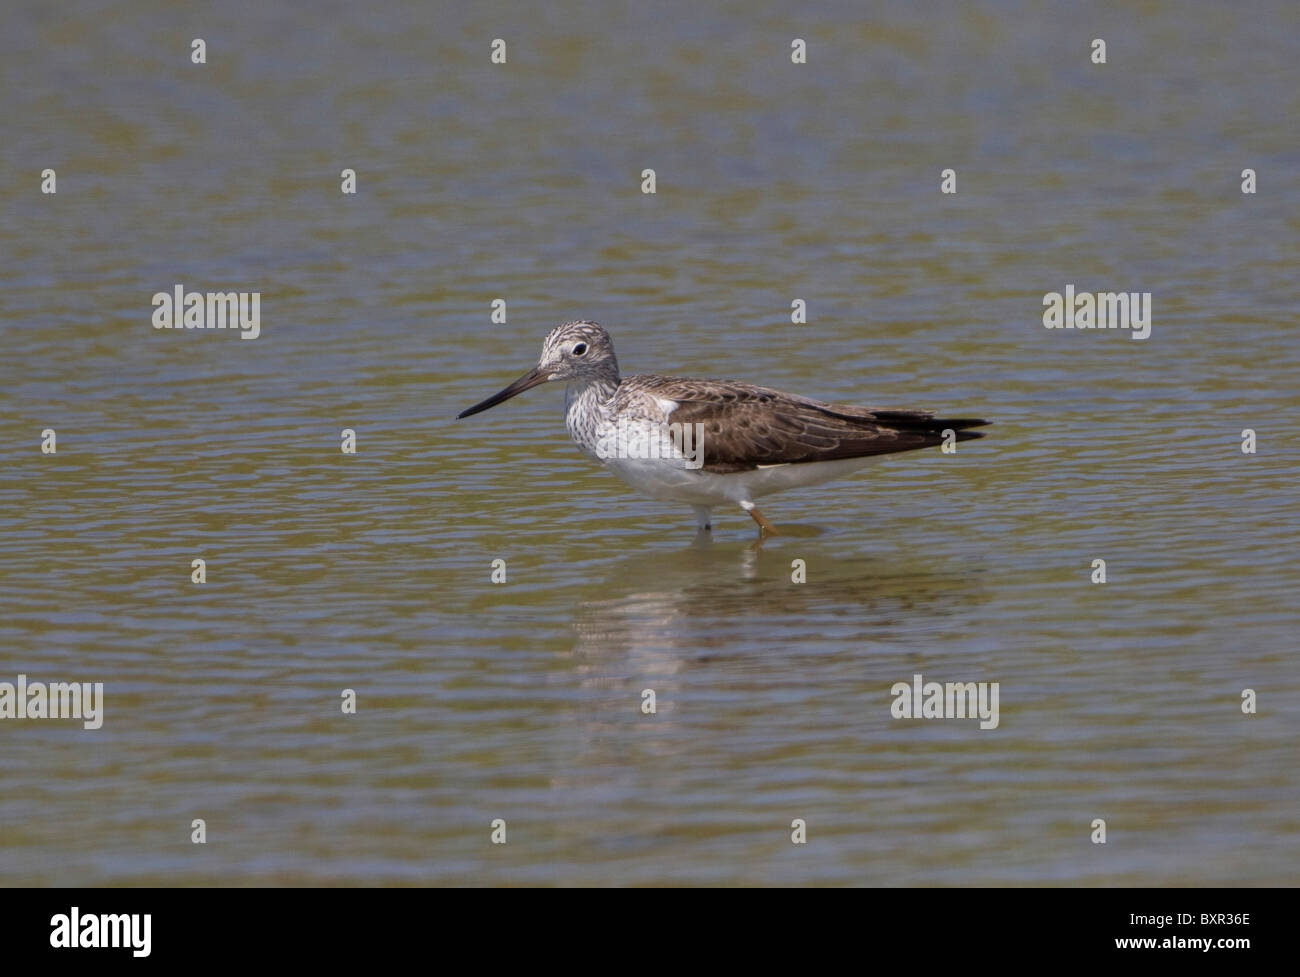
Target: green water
x=522 y=700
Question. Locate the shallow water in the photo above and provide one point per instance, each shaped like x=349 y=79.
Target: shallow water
x=521 y=700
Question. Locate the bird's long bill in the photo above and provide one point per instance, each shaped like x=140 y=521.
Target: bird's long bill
x=530 y=379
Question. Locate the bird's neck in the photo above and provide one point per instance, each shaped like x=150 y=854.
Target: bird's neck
x=587 y=405
x=591 y=391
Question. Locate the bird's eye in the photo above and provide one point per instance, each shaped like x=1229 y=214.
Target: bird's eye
x=579 y=349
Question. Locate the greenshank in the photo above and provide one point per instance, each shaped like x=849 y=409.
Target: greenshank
x=713 y=442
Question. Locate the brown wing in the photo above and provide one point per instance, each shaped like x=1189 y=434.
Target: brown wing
x=745 y=426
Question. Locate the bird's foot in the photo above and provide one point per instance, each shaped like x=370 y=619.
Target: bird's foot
x=765 y=528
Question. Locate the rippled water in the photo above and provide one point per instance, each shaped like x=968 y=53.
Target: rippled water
x=521 y=700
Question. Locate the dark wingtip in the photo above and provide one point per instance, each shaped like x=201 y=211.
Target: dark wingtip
x=961 y=425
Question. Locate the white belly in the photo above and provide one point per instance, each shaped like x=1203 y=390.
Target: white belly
x=667 y=480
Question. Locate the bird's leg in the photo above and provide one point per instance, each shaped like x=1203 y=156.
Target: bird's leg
x=765 y=528
x=703 y=525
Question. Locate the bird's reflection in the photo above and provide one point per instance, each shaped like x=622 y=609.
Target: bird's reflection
x=718 y=630
x=720 y=599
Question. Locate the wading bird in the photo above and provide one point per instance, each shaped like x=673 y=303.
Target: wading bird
x=713 y=442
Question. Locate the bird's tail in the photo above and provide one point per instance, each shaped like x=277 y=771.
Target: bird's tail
x=922 y=424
